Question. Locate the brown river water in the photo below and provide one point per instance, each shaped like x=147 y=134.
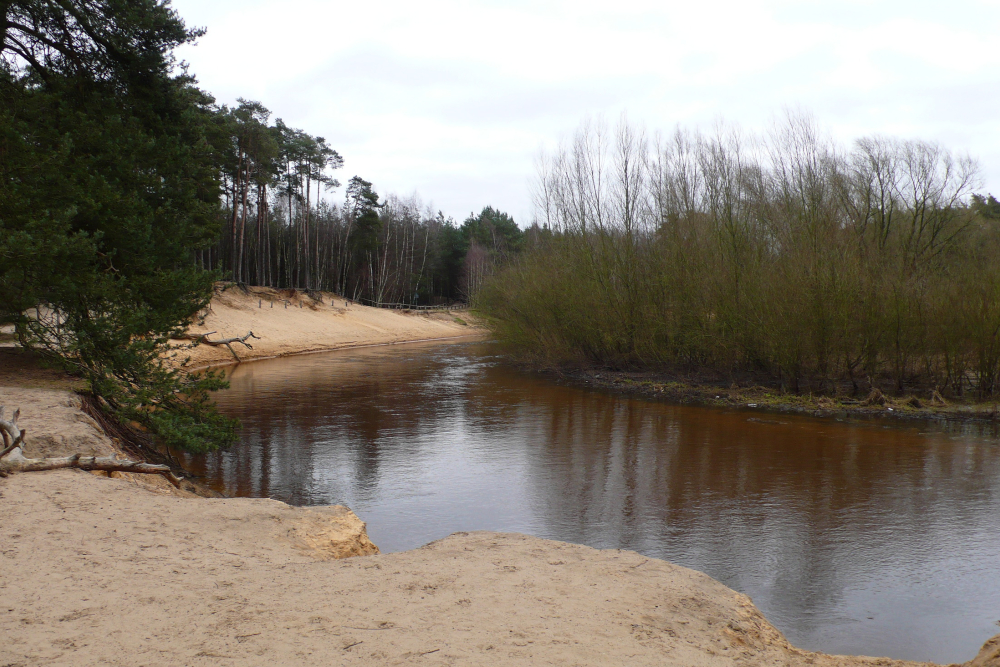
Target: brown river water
x=852 y=537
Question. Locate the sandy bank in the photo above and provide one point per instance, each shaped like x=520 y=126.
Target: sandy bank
x=290 y=322
x=128 y=571
x=111 y=574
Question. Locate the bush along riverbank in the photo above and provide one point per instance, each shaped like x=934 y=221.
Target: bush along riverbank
x=863 y=276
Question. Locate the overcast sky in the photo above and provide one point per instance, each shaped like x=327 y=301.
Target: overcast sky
x=454 y=99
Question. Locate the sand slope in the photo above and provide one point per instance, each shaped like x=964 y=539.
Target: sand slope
x=98 y=571
x=289 y=322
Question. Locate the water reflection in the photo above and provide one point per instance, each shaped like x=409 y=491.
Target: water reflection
x=852 y=538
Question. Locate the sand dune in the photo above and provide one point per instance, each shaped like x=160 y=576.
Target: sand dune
x=290 y=322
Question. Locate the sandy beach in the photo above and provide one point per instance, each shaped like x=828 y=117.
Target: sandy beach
x=127 y=570
x=112 y=573
x=289 y=322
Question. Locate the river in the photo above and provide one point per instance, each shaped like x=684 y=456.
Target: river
x=851 y=537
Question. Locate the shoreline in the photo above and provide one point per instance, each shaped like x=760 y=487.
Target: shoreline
x=233 y=362
x=683 y=390
x=256 y=581
x=163 y=578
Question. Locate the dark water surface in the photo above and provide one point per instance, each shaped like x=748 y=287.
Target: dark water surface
x=850 y=537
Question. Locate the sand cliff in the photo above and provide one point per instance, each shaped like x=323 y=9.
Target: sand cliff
x=291 y=322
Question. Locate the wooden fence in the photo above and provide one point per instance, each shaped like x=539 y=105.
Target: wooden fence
x=409 y=306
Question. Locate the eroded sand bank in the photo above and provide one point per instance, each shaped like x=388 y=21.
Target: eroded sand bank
x=108 y=573
x=289 y=322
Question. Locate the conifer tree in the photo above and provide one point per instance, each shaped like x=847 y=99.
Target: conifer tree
x=108 y=184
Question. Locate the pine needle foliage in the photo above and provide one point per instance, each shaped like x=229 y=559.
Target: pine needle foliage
x=108 y=182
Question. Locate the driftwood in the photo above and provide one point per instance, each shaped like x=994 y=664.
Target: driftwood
x=12 y=459
x=203 y=339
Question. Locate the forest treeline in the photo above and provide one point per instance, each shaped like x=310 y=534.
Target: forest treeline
x=818 y=266
x=276 y=227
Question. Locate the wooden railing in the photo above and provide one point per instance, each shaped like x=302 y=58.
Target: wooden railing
x=409 y=306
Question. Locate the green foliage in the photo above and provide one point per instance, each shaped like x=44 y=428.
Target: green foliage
x=494 y=230
x=124 y=44
x=363 y=207
x=488 y=241
x=109 y=180
x=270 y=231
x=809 y=263
x=986 y=206
x=446 y=255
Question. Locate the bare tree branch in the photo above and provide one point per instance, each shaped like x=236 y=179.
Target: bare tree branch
x=203 y=339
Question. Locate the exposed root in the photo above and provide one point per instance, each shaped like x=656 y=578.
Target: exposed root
x=12 y=459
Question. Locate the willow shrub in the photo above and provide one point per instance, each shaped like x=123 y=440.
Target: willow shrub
x=786 y=255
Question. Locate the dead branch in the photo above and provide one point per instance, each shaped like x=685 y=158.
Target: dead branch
x=16 y=462
x=203 y=339
x=12 y=459
x=8 y=450
x=9 y=430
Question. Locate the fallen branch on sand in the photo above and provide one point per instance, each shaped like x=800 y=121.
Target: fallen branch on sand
x=12 y=459
x=203 y=338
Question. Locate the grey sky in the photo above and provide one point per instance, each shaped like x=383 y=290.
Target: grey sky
x=454 y=99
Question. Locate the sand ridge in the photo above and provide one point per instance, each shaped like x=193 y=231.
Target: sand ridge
x=293 y=322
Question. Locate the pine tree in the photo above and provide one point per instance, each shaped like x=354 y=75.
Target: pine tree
x=108 y=184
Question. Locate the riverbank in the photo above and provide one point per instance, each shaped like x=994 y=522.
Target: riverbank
x=112 y=574
x=130 y=571
x=712 y=391
x=115 y=571
x=287 y=322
